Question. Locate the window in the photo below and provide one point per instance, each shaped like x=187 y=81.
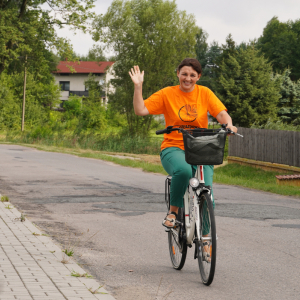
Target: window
x=65 y=85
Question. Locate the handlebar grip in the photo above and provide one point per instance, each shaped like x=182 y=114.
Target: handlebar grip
x=166 y=130
x=161 y=131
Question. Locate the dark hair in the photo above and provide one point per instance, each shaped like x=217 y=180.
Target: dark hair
x=191 y=62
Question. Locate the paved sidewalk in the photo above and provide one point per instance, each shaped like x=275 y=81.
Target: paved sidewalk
x=31 y=267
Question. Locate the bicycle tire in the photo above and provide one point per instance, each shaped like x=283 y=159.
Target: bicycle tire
x=177 y=243
x=208 y=230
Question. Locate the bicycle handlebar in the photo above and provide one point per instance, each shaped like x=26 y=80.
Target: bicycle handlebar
x=169 y=129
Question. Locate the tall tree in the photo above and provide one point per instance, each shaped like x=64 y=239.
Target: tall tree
x=95 y=54
x=209 y=72
x=280 y=44
x=245 y=86
x=289 y=103
x=201 y=47
x=153 y=34
x=27 y=27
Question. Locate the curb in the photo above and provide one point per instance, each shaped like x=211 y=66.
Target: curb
x=31 y=267
x=263 y=165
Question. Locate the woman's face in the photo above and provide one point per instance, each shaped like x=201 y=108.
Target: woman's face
x=187 y=78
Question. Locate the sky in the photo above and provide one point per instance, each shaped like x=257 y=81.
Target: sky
x=244 y=19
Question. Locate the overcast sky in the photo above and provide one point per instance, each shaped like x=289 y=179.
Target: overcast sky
x=244 y=19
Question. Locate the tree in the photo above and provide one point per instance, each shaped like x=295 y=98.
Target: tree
x=40 y=97
x=94 y=54
x=27 y=27
x=209 y=72
x=201 y=47
x=245 y=85
x=280 y=44
x=152 y=34
x=289 y=103
x=95 y=89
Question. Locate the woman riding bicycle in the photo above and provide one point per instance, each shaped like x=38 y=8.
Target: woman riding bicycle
x=185 y=106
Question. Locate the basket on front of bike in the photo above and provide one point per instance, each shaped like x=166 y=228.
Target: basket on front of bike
x=204 y=147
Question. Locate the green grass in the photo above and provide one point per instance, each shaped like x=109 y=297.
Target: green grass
x=254 y=178
x=231 y=174
x=111 y=143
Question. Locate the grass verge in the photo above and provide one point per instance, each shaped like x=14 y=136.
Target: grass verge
x=231 y=174
x=254 y=178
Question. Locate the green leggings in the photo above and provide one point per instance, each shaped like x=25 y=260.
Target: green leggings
x=173 y=161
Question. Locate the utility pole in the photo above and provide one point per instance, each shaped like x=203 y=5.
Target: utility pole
x=24 y=95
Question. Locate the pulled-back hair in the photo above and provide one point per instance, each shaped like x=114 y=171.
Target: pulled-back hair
x=191 y=62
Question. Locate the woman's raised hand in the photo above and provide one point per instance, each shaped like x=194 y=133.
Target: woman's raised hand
x=136 y=75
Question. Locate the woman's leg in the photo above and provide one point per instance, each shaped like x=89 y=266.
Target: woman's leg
x=173 y=161
x=208 y=178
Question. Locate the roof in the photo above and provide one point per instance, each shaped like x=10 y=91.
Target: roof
x=83 y=66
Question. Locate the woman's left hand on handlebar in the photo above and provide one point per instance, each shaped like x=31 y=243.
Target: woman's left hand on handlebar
x=232 y=128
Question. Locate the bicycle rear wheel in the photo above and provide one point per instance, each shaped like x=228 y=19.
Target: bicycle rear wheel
x=177 y=243
x=207 y=243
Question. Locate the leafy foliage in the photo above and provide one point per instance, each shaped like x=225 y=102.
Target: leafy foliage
x=201 y=47
x=209 y=72
x=39 y=99
x=95 y=54
x=27 y=28
x=152 y=34
x=245 y=85
x=280 y=44
x=289 y=103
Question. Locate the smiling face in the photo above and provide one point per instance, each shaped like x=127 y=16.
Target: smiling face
x=187 y=78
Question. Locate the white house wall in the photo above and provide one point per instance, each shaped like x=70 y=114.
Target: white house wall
x=76 y=82
x=64 y=95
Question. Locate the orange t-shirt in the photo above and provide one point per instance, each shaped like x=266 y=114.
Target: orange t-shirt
x=184 y=110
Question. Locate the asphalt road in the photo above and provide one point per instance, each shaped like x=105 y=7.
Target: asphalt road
x=111 y=216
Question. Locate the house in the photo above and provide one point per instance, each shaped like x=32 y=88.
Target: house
x=72 y=75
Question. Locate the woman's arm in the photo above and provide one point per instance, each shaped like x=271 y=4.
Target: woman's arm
x=137 y=78
x=224 y=118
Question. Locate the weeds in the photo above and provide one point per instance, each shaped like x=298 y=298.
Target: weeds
x=96 y=291
x=73 y=244
x=9 y=207
x=69 y=252
x=85 y=275
x=22 y=218
x=4 y=198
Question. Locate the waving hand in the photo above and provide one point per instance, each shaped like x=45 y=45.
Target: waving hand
x=136 y=75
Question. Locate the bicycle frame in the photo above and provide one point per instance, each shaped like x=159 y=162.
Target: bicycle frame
x=192 y=218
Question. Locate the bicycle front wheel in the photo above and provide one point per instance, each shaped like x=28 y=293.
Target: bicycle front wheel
x=207 y=242
x=177 y=243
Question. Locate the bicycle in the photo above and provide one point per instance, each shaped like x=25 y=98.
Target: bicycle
x=195 y=223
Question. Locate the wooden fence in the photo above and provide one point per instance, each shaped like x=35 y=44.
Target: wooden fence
x=275 y=146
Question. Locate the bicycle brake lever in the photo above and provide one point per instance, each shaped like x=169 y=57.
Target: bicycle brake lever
x=238 y=134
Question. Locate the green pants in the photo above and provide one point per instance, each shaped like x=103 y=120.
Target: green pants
x=173 y=161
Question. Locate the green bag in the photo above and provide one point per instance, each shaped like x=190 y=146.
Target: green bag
x=206 y=149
